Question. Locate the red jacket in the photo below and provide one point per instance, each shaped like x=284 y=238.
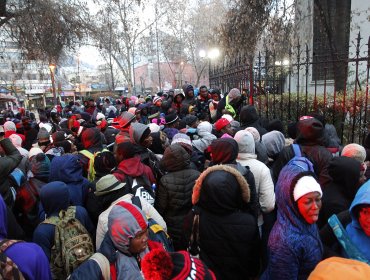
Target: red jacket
x=133 y=167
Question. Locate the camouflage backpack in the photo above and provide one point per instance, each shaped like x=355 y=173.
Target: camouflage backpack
x=72 y=243
x=8 y=269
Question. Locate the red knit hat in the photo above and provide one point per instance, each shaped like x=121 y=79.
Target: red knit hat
x=221 y=123
x=161 y=265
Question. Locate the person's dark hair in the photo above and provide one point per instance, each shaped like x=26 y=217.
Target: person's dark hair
x=127 y=149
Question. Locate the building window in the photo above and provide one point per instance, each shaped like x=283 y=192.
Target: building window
x=331 y=23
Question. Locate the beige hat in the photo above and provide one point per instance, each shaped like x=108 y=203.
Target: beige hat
x=108 y=183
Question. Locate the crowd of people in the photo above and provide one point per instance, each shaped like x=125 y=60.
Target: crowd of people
x=190 y=184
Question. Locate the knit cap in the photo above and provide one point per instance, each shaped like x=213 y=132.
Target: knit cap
x=9 y=126
x=255 y=133
x=355 y=151
x=43 y=134
x=156 y=99
x=126 y=119
x=34 y=151
x=40 y=165
x=221 y=123
x=154 y=127
x=107 y=184
x=305 y=185
x=161 y=265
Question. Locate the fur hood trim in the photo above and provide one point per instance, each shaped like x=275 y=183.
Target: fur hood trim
x=244 y=186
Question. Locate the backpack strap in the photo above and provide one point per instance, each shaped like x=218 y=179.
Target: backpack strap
x=351 y=249
x=136 y=201
x=103 y=263
x=297 y=150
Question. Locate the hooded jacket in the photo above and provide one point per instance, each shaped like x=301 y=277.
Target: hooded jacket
x=204 y=131
x=274 y=142
x=133 y=167
x=354 y=230
x=310 y=139
x=249 y=117
x=173 y=197
x=7 y=163
x=68 y=169
x=228 y=234
x=29 y=257
x=294 y=245
x=261 y=173
x=339 y=194
x=55 y=197
x=124 y=222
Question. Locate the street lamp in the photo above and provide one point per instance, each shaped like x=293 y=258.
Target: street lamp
x=52 y=71
x=211 y=54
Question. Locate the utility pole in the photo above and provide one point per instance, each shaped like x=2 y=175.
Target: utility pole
x=158 y=62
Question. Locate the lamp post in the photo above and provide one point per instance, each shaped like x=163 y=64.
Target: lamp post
x=52 y=69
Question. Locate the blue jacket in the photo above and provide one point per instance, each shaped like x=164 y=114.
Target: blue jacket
x=55 y=197
x=29 y=257
x=294 y=245
x=354 y=230
x=68 y=169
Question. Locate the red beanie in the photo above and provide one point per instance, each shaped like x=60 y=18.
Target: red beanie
x=221 y=123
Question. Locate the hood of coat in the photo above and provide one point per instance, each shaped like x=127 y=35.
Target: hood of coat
x=245 y=142
x=221 y=189
x=288 y=213
x=54 y=197
x=362 y=197
x=310 y=132
x=248 y=115
x=345 y=172
x=132 y=166
x=274 y=142
x=137 y=131
x=3 y=219
x=66 y=168
x=175 y=158
x=125 y=220
x=91 y=138
x=224 y=151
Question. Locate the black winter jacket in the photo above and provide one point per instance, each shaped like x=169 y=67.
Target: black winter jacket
x=7 y=163
x=339 y=194
x=173 y=198
x=310 y=139
x=228 y=232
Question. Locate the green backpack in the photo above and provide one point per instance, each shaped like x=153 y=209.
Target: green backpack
x=72 y=243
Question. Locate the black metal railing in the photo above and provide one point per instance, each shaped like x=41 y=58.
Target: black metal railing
x=335 y=85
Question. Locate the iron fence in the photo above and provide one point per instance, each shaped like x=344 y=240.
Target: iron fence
x=335 y=85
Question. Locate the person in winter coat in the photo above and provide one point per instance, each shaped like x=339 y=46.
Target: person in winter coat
x=8 y=162
x=357 y=228
x=310 y=140
x=206 y=137
x=261 y=150
x=225 y=151
x=189 y=96
x=110 y=191
x=68 y=169
x=261 y=173
x=29 y=257
x=55 y=197
x=228 y=232
x=249 y=117
x=124 y=124
x=129 y=163
x=173 y=197
x=140 y=136
x=274 y=141
x=230 y=104
x=294 y=243
x=340 y=192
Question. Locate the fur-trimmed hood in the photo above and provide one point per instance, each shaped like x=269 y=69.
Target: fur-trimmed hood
x=221 y=188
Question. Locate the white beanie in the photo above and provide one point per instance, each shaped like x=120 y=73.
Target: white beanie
x=305 y=185
x=16 y=140
x=228 y=117
x=35 y=151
